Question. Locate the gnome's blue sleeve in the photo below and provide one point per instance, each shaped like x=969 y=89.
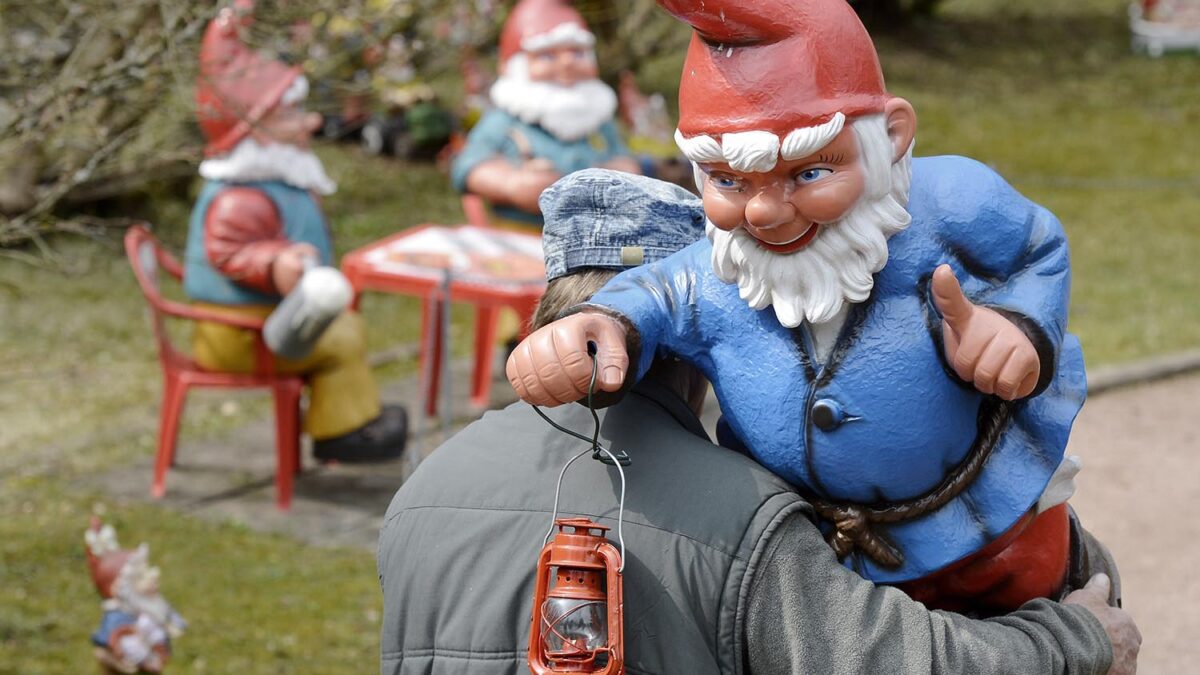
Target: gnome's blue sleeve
x=1011 y=254
x=659 y=301
x=488 y=139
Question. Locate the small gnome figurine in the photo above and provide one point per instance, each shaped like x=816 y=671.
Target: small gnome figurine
x=136 y=630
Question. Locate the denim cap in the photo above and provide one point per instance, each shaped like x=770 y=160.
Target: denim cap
x=615 y=220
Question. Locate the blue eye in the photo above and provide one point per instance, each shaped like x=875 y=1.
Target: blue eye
x=725 y=182
x=811 y=175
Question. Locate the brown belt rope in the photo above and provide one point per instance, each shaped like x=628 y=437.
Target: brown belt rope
x=853 y=522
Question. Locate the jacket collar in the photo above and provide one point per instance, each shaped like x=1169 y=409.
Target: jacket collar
x=672 y=403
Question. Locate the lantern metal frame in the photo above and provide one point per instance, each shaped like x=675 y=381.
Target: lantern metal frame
x=609 y=560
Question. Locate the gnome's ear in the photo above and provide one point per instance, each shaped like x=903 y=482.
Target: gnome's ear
x=901 y=126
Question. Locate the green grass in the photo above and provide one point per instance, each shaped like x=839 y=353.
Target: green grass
x=255 y=603
x=79 y=388
x=1045 y=91
x=1049 y=94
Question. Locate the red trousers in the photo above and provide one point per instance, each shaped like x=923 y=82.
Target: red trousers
x=1028 y=561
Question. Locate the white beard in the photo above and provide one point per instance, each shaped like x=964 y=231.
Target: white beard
x=154 y=605
x=568 y=113
x=815 y=282
x=253 y=161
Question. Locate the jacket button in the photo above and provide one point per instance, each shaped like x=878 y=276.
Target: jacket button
x=827 y=414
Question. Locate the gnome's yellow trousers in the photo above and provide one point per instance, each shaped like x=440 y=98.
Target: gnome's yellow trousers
x=343 y=394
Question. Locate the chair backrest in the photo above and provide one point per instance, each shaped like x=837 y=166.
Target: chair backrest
x=147 y=257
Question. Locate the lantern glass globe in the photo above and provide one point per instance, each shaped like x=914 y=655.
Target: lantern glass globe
x=574 y=625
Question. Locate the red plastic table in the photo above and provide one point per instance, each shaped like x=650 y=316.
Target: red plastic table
x=487 y=267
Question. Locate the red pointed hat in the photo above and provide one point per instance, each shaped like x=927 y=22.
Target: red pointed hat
x=236 y=86
x=533 y=18
x=105 y=558
x=774 y=65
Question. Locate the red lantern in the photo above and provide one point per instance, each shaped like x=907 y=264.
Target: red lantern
x=577 y=621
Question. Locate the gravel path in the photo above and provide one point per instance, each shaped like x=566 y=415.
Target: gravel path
x=1139 y=492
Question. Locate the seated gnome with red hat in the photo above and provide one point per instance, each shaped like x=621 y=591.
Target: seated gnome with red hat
x=136 y=630
x=552 y=114
x=887 y=334
x=255 y=227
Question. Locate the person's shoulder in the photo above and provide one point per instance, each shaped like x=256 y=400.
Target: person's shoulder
x=484 y=451
x=667 y=447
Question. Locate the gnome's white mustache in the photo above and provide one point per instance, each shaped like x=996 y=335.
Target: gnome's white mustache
x=837 y=266
x=569 y=113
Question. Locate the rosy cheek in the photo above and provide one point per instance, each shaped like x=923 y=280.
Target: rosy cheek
x=539 y=70
x=724 y=212
x=830 y=199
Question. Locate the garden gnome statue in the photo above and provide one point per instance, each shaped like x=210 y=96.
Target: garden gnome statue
x=257 y=226
x=136 y=630
x=887 y=334
x=552 y=114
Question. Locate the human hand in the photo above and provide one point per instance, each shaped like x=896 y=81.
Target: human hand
x=288 y=266
x=982 y=346
x=1122 y=632
x=529 y=183
x=552 y=366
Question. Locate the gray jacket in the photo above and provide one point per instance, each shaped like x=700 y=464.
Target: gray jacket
x=725 y=571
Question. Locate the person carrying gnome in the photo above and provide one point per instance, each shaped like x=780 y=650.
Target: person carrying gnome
x=887 y=334
x=257 y=221
x=552 y=115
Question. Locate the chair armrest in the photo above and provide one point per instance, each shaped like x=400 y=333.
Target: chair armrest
x=264 y=360
x=182 y=311
x=169 y=263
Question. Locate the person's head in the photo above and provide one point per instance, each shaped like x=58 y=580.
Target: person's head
x=801 y=155
x=251 y=110
x=548 y=72
x=601 y=222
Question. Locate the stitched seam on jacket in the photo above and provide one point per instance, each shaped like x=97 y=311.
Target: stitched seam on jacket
x=627 y=520
x=471 y=654
x=760 y=547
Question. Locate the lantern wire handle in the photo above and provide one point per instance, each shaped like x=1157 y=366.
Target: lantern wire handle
x=619 y=460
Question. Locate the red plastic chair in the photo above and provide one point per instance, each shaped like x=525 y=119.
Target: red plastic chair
x=180 y=372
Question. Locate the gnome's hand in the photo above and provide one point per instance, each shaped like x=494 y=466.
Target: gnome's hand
x=288 y=266
x=529 y=183
x=982 y=346
x=552 y=366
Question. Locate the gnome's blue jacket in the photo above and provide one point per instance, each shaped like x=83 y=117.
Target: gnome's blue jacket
x=892 y=417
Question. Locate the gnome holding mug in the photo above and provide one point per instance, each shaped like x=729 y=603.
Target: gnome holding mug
x=257 y=226
x=552 y=114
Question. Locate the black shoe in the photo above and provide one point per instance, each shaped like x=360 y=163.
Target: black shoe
x=379 y=440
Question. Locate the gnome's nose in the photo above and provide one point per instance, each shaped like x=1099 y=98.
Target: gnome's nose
x=765 y=211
